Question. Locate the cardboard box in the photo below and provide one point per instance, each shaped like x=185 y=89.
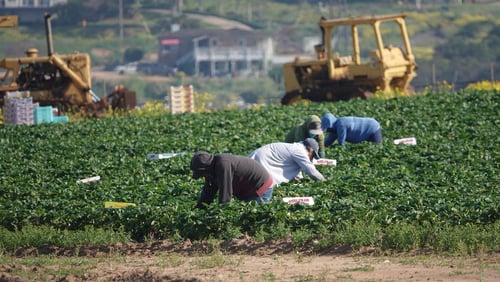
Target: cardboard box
x=295 y=200
x=407 y=141
x=324 y=162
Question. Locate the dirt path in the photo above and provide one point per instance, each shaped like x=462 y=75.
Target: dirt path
x=113 y=77
x=289 y=267
x=220 y=22
x=239 y=260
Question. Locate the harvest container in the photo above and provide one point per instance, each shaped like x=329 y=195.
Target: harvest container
x=43 y=114
x=60 y=119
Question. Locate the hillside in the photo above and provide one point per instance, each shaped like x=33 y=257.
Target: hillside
x=445 y=38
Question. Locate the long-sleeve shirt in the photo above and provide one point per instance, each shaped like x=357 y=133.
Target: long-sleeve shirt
x=351 y=129
x=234 y=175
x=300 y=132
x=285 y=161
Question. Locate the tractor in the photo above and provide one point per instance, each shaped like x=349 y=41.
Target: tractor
x=331 y=76
x=61 y=81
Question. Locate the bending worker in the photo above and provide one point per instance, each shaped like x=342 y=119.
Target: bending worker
x=286 y=161
x=350 y=129
x=230 y=175
x=310 y=128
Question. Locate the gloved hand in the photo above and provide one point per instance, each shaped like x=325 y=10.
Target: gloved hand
x=322 y=154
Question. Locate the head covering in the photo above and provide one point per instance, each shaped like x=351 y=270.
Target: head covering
x=315 y=128
x=327 y=121
x=200 y=163
x=311 y=143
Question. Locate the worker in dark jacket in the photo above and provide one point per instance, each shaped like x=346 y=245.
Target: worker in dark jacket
x=310 y=128
x=231 y=175
x=350 y=129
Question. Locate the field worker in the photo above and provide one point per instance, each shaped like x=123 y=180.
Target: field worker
x=350 y=129
x=310 y=128
x=286 y=161
x=230 y=175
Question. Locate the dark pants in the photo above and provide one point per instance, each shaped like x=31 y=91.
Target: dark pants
x=262 y=195
x=376 y=137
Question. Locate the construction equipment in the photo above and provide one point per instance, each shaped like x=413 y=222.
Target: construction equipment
x=332 y=77
x=121 y=98
x=62 y=81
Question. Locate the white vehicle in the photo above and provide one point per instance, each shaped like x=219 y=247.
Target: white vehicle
x=129 y=68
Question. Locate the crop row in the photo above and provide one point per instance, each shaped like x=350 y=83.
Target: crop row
x=449 y=178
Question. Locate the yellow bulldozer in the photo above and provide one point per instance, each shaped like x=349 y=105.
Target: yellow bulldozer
x=62 y=81
x=331 y=76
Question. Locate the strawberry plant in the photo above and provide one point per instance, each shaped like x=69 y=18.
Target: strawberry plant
x=450 y=178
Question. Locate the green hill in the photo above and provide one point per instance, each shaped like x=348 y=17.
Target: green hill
x=452 y=43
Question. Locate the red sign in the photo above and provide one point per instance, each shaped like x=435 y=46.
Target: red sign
x=170 y=41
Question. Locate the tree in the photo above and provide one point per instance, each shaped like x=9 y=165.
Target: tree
x=133 y=54
x=468 y=55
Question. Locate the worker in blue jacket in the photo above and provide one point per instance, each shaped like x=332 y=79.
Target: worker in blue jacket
x=350 y=129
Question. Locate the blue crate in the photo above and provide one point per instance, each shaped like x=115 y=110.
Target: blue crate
x=60 y=119
x=43 y=114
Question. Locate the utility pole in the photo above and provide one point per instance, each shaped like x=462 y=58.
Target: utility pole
x=492 y=71
x=120 y=11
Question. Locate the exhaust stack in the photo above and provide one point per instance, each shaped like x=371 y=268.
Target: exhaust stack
x=48 y=33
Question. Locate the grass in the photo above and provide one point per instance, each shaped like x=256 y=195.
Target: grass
x=268 y=276
x=359 y=268
x=38 y=236
x=344 y=277
x=216 y=260
x=45 y=268
x=170 y=260
x=455 y=240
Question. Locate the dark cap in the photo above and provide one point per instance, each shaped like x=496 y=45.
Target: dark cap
x=315 y=128
x=311 y=143
x=200 y=163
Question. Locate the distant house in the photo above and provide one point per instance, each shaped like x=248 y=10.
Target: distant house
x=29 y=11
x=233 y=52
x=30 y=3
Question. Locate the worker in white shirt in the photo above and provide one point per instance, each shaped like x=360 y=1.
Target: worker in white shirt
x=286 y=161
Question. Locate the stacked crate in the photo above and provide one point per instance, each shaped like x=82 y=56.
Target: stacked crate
x=18 y=108
x=181 y=99
x=44 y=114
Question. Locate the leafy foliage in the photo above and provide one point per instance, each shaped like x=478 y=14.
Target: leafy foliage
x=133 y=54
x=448 y=180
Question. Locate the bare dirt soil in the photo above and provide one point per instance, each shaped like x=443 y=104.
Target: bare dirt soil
x=113 y=77
x=244 y=259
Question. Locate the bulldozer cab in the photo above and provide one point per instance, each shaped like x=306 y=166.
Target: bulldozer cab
x=348 y=65
x=354 y=25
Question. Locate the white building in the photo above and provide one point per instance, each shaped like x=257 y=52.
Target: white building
x=30 y=3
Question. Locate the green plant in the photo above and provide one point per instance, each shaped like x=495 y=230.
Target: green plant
x=436 y=195
x=359 y=234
